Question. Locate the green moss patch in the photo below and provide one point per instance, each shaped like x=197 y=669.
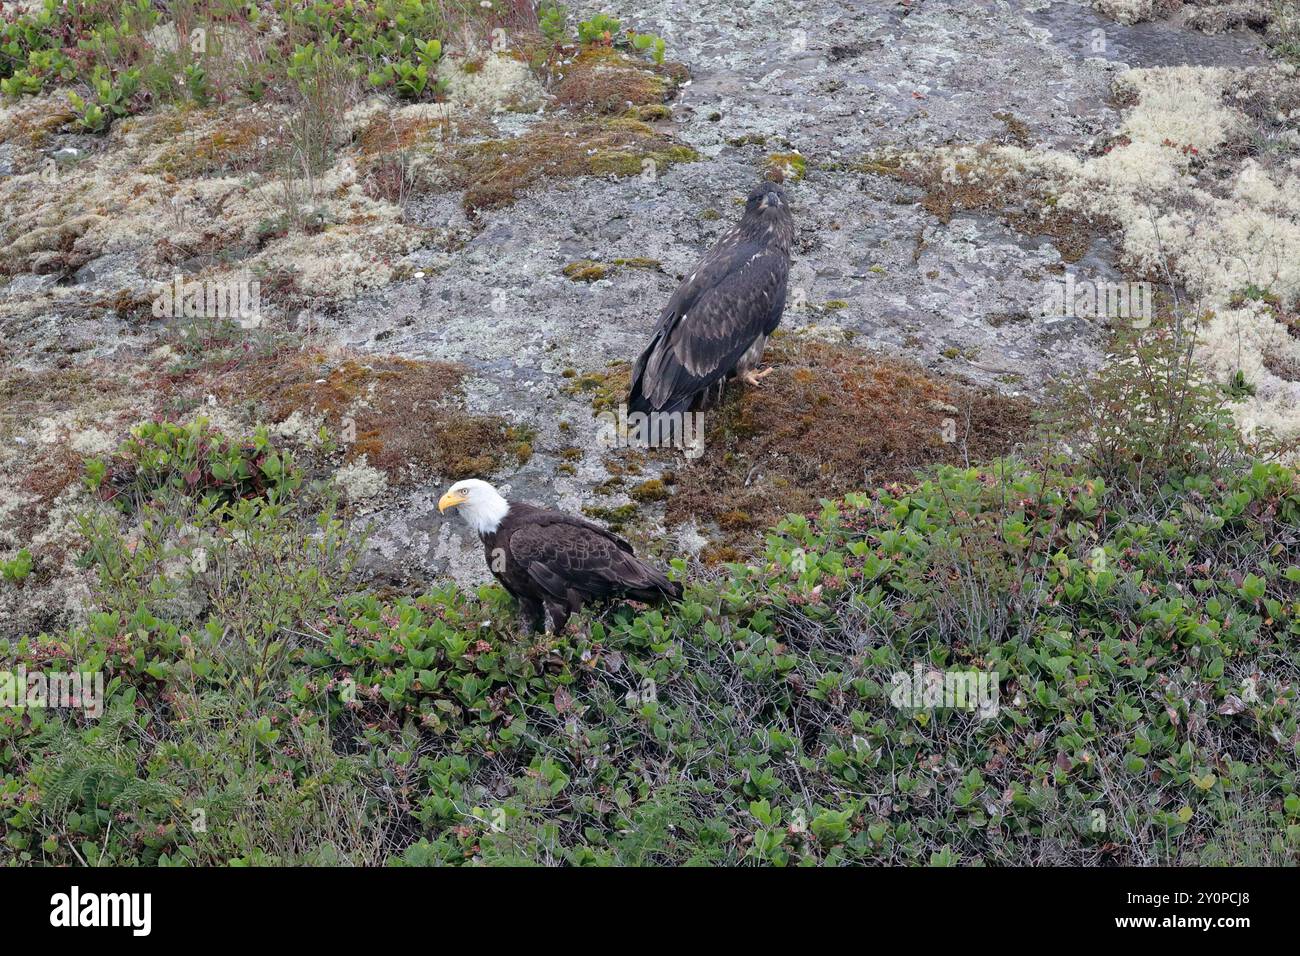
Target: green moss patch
x=616 y=518
x=584 y=270
x=608 y=389
x=651 y=113
x=640 y=262
x=494 y=173
x=654 y=489
x=785 y=167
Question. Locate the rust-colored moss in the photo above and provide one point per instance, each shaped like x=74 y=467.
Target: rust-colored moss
x=1016 y=130
x=603 y=80
x=832 y=419
x=610 y=88
x=495 y=172
x=238 y=147
x=715 y=554
x=405 y=416
x=27 y=393
x=1070 y=231
x=394 y=132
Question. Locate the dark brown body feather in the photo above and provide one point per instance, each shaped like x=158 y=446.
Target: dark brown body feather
x=556 y=562
x=718 y=320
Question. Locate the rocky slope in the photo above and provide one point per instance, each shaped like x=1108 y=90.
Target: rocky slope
x=836 y=97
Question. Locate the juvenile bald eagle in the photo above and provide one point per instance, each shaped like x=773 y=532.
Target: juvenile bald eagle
x=552 y=562
x=717 y=322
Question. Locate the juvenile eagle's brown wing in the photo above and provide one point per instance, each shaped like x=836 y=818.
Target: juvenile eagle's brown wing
x=562 y=553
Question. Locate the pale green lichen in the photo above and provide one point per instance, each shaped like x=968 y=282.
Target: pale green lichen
x=360 y=482
x=1243 y=232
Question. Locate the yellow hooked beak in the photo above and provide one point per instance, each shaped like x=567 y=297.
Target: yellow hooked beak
x=450 y=500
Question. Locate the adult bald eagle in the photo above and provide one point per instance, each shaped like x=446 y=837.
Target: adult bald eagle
x=717 y=322
x=552 y=562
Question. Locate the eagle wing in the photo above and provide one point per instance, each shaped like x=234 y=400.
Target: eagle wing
x=561 y=553
x=735 y=295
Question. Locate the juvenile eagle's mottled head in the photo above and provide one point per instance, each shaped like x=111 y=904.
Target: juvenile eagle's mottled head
x=480 y=504
x=767 y=216
x=764 y=196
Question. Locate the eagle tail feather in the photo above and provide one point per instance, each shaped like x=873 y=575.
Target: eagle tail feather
x=653 y=585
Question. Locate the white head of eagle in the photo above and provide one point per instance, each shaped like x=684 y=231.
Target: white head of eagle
x=479 y=504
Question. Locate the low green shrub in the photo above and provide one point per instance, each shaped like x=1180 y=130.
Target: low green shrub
x=17 y=568
x=261 y=709
x=194 y=458
x=1147 y=415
